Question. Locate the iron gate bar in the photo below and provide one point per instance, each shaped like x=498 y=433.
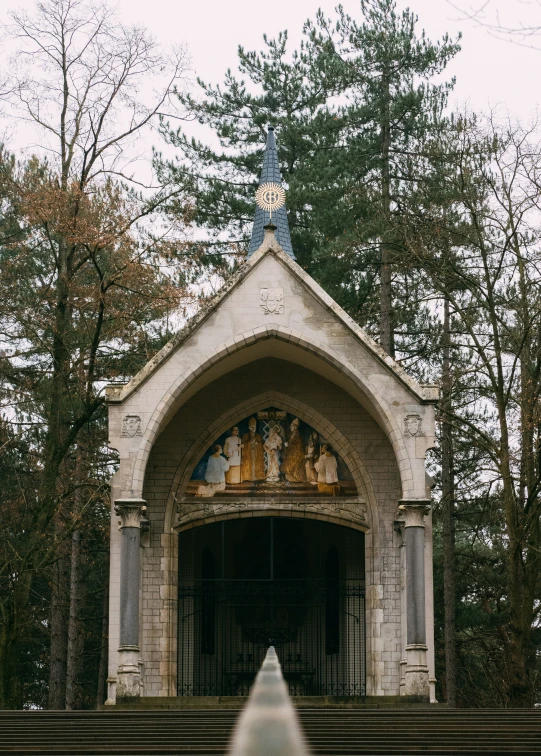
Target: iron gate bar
x=247 y=615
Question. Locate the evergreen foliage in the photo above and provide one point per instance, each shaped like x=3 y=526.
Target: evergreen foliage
x=353 y=109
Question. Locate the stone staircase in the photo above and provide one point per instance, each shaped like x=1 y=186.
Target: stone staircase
x=431 y=731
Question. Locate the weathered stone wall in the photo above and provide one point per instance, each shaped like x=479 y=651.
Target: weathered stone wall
x=170 y=452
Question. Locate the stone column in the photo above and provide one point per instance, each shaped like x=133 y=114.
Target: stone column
x=416 y=672
x=130 y=512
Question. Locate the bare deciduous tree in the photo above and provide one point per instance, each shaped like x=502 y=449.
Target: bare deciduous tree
x=526 y=33
x=484 y=257
x=89 y=88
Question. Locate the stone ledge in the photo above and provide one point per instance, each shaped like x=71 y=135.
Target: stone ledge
x=284 y=500
x=179 y=703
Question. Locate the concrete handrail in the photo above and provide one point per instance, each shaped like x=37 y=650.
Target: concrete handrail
x=268 y=725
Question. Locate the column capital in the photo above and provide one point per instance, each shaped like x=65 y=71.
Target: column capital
x=414 y=511
x=130 y=512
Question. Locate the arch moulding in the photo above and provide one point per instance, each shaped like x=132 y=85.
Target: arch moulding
x=172 y=399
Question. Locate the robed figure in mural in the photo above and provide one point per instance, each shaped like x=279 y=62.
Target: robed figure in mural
x=293 y=465
x=232 y=450
x=310 y=458
x=252 y=454
x=217 y=467
x=327 y=472
x=272 y=446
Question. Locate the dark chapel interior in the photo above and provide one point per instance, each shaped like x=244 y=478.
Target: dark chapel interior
x=249 y=583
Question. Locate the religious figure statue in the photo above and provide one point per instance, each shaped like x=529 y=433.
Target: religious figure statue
x=252 y=454
x=273 y=444
x=232 y=450
x=327 y=472
x=293 y=465
x=217 y=466
x=310 y=459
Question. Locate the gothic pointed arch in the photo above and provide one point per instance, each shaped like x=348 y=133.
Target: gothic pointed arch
x=196 y=376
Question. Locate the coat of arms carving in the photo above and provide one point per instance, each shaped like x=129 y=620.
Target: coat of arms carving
x=271 y=301
x=413 y=425
x=132 y=426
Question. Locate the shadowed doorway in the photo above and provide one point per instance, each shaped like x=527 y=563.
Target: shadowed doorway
x=249 y=583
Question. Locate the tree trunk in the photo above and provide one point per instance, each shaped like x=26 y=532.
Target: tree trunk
x=14 y=613
x=10 y=691
x=75 y=634
x=448 y=521
x=102 y=673
x=386 y=331
x=521 y=609
x=385 y=323
x=521 y=687
x=59 y=635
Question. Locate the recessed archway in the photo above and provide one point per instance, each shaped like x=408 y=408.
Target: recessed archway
x=338 y=517
x=343 y=373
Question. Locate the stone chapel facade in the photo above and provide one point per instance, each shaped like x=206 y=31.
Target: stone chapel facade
x=271 y=489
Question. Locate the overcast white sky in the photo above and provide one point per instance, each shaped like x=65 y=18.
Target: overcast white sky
x=490 y=71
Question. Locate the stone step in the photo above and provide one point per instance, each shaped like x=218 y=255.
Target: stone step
x=180 y=703
x=330 y=732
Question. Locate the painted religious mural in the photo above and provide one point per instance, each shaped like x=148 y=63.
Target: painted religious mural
x=271 y=453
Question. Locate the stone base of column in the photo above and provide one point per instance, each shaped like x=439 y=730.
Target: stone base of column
x=403 y=664
x=416 y=681
x=128 y=686
x=111 y=691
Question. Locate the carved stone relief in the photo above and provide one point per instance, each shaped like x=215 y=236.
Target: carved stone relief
x=354 y=511
x=413 y=425
x=271 y=301
x=132 y=426
x=270 y=454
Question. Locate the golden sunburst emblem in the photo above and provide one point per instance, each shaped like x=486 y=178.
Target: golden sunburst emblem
x=270 y=197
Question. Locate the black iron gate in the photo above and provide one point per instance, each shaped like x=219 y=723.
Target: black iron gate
x=226 y=626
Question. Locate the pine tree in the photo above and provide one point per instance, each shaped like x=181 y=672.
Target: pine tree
x=384 y=69
x=352 y=109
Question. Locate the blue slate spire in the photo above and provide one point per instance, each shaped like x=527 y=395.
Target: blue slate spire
x=271 y=173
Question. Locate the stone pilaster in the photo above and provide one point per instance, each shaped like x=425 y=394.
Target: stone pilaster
x=399 y=528
x=130 y=512
x=416 y=679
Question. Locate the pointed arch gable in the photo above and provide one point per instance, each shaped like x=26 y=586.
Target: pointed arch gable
x=187 y=384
